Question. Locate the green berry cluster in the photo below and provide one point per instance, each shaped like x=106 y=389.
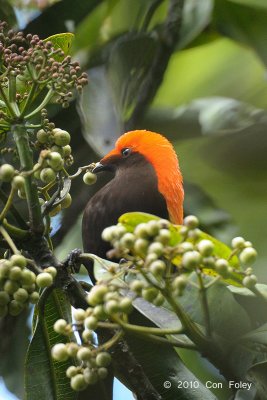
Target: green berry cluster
x=19 y=285
x=90 y=362
x=149 y=249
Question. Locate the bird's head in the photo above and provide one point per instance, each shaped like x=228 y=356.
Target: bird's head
x=146 y=146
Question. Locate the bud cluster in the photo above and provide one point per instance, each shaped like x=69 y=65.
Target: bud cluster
x=19 y=285
x=32 y=60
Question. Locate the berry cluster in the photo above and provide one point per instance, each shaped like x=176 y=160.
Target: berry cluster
x=151 y=250
x=19 y=285
x=90 y=362
x=34 y=61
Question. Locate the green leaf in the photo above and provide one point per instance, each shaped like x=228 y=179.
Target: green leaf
x=257 y=374
x=258 y=335
x=243 y=23
x=14 y=334
x=196 y=16
x=61 y=41
x=41 y=371
x=251 y=3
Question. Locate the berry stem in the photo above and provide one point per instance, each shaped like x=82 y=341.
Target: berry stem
x=8 y=204
x=46 y=100
x=9 y=240
x=204 y=302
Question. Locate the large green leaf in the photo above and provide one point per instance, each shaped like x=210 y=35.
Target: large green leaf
x=42 y=373
x=243 y=23
x=251 y=3
x=257 y=374
x=196 y=16
x=61 y=41
x=220 y=68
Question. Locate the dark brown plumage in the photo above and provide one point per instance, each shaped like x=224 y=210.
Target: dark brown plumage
x=138 y=185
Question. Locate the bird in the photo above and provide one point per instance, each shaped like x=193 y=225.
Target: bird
x=146 y=178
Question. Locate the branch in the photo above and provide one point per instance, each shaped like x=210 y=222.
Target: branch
x=169 y=37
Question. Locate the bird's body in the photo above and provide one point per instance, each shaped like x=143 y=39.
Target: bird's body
x=147 y=178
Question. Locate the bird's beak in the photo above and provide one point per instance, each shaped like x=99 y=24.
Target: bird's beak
x=100 y=167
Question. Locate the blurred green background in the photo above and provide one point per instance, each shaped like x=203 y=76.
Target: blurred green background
x=198 y=77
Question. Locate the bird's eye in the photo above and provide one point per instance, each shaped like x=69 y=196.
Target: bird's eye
x=126 y=152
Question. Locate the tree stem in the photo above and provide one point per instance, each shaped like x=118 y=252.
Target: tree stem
x=25 y=154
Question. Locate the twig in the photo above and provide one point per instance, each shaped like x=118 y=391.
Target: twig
x=9 y=240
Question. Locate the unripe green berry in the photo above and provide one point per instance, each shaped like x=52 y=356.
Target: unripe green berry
x=71 y=371
x=137 y=286
x=180 y=283
x=191 y=259
x=250 y=281
x=60 y=326
x=248 y=256
x=72 y=348
x=15 y=273
x=15 y=308
x=205 y=247
x=18 y=182
x=156 y=248
x=209 y=262
x=152 y=228
x=102 y=372
x=84 y=354
x=103 y=359
x=61 y=138
x=4 y=298
x=99 y=312
x=126 y=305
x=66 y=150
x=79 y=314
x=96 y=294
x=59 y=352
x=27 y=277
x=47 y=175
x=89 y=178
x=108 y=234
x=87 y=335
x=247 y=243
x=11 y=287
x=141 y=231
x=186 y=246
x=111 y=307
x=141 y=246
x=44 y=279
x=127 y=240
x=238 y=242
x=5 y=266
x=18 y=260
x=151 y=257
x=34 y=297
x=149 y=294
x=91 y=322
x=66 y=202
x=52 y=271
x=55 y=161
x=159 y=300
x=6 y=173
x=42 y=136
x=90 y=376
x=222 y=267
x=157 y=267
x=21 y=295
x=78 y=383
x=191 y=222
x=164 y=236
x=58 y=149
